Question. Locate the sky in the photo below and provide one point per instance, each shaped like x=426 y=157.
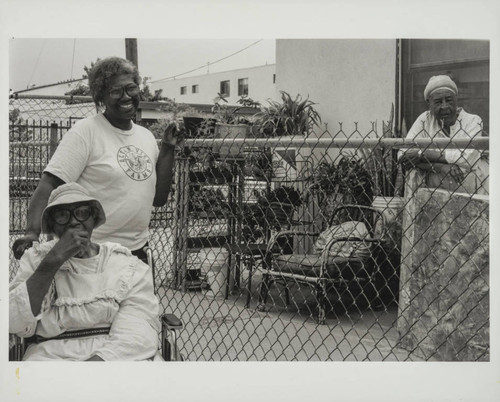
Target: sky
x=41 y=61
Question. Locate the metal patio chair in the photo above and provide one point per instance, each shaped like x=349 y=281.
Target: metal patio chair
x=353 y=274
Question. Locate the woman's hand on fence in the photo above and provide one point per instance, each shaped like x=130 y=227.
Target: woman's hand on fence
x=410 y=159
x=171 y=135
x=23 y=243
x=453 y=171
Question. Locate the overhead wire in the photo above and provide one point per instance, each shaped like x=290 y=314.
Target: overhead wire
x=205 y=65
x=73 y=58
x=36 y=63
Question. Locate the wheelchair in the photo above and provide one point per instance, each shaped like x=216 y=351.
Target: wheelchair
x=171 y=325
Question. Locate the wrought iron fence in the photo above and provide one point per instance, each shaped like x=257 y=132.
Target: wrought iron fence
x=312 y=248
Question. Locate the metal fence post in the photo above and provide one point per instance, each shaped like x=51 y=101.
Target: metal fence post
x=53 y=139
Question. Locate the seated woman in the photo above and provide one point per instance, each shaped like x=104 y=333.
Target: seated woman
x=70 y=284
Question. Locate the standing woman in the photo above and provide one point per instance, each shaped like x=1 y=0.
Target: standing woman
x=116 y=160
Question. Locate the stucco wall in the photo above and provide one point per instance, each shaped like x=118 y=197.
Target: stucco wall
x=444 y=282
x=260 y=85
x=351 y=80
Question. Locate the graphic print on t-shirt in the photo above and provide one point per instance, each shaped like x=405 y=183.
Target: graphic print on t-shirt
x=135 y=163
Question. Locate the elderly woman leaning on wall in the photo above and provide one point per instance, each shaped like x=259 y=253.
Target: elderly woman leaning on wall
x=462 y=170
x=113 y=158
x=82 y=300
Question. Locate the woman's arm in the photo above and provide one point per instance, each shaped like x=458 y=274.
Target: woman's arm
x=71 y=243
x=422 y=158
x=38 y=284
x=23 y=308
x=165 y=165
x=66 y=165
x=38 y=202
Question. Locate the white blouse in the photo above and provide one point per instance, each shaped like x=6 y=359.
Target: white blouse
x=112 y=289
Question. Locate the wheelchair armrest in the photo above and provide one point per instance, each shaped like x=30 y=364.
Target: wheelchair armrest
x=171 y=321
x=17 y=346
x=170 y=325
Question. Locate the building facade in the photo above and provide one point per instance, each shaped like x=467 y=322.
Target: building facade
x=349 y=80
x=258 y=83
x=356 y=81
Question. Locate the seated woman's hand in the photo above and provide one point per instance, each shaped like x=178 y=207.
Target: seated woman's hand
x=72 y=243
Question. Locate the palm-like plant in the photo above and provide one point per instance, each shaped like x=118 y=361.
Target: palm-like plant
x=224 y=113
x=345 y=182
x=382 y=163
x=288 y=117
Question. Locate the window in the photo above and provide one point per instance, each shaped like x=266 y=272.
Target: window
x=224 y=88
x=183 y=90
x=195 y=89
x=274 y=78
x=242 y=86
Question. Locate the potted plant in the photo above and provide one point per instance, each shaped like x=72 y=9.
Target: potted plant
x=279 y=205
x=245 y=101
x=228 y=126
x=345 y=182
x=258 y=163
x=273 y=210
x=198 y=124
x=382 y=164
x=253 y=223
x=386 y=172
x=288 y=117
x=219 y=173
x=206 y=202
x=388 y=187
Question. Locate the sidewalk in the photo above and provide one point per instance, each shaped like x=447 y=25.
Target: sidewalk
x=224 y=330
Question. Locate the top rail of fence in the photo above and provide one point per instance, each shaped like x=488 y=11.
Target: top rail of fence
x=480 y=143
x=52 y=97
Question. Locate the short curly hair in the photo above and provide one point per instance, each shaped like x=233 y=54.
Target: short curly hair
x=103 y=71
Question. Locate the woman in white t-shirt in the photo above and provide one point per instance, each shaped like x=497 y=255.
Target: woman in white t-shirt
x=113 y=158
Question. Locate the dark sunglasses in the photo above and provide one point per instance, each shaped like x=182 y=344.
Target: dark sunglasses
x=63 y=216
x=131 y=90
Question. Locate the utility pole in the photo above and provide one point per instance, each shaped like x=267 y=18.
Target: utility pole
x=131 y=50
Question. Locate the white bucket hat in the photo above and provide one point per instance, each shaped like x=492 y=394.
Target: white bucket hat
x=70 y=193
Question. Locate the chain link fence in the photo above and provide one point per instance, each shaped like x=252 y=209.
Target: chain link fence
x=304 y=248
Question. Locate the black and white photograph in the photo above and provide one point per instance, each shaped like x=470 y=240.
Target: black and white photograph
x=272 y=213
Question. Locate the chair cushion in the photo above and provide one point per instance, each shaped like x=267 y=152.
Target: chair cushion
x=309 y=265
x=349 y=248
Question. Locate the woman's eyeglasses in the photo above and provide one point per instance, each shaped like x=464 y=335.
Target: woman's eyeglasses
x=63 y=216
x=131 y=90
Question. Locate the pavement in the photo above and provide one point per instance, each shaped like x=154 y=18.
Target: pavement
x=219 y=329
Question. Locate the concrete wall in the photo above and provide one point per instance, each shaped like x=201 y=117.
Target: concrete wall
x=351 y=80
x=444 y=282
x=260 y=85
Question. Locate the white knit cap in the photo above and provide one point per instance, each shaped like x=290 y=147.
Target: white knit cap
x=439 y=82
